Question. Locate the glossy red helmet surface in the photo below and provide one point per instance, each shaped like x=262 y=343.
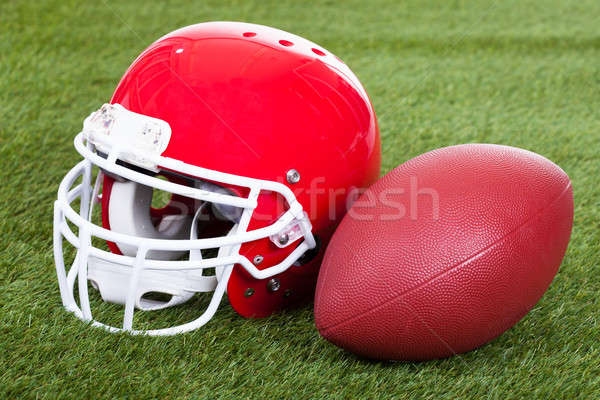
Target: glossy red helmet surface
x=261 y=103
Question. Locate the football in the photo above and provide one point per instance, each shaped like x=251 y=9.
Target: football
x=444 y=253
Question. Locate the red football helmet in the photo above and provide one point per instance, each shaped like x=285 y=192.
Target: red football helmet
x=258 y=135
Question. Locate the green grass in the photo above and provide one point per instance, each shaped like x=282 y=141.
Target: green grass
x=521 y=73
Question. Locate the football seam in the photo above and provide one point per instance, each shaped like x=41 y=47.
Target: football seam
x=540 y=213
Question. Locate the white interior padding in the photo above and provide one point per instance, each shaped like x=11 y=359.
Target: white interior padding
x=129 y=213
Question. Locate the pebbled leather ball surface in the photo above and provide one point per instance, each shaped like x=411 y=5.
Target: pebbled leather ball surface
x=444 y=253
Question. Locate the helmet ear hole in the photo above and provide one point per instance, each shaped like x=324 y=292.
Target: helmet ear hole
x=160 y=198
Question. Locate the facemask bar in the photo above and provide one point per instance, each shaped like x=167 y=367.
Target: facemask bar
x=293 y=218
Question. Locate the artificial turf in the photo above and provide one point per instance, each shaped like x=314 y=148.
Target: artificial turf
x=521 y=73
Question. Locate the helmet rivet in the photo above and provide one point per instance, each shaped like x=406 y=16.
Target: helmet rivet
x=293 y=176
x=248 y=292
x=287 y=293
x=283 y=239
x=273 y=285
x=258 y=259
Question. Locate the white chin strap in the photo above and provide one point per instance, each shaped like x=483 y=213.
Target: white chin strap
x=129 y=213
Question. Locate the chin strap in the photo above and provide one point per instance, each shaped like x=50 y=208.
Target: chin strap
x=112 y=279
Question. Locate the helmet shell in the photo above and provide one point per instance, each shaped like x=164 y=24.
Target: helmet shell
x=257 y=102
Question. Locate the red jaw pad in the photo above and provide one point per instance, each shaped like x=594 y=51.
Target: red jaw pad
x=254 y=298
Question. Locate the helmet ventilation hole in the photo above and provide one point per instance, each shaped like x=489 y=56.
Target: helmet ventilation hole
x=318 y=52
x=249 y=34
x=157 y=297
x=286 y=43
